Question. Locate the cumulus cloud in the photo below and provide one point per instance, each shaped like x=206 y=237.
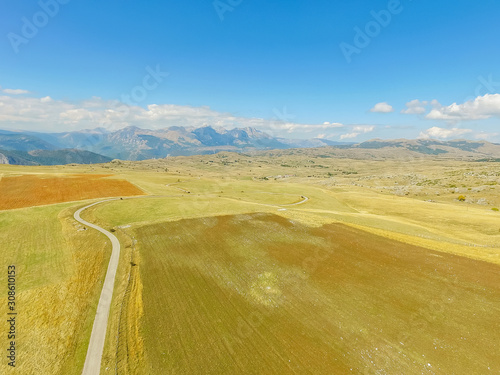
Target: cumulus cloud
x=419 y=107
x=15 y=91
x=482 y=107
x=348 y=136
x=363 y=128
x=291 y=127
x=443 y=133
x=357 y=130
x=415 y=107
x=48 y=114
x=485 y=136
x=382 y=108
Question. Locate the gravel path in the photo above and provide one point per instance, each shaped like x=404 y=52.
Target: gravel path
x=92 y=364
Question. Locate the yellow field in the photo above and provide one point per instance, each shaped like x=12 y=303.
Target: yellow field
x=59 y=270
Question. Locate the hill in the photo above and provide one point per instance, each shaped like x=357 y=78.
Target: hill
x=51 y=157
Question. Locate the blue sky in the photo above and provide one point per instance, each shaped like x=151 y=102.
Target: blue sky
x=278 y=65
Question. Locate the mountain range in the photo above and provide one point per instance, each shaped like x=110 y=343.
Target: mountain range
x=133 y=143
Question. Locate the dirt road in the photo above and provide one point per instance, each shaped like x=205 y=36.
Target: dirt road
x=92 y=364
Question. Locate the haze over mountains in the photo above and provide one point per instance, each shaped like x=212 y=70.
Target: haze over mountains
x=133 y=143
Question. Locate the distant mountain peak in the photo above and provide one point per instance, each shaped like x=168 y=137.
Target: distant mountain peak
x=135 y=143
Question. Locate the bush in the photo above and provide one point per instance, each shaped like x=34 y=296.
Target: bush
x=461 y=198
x=495 y=209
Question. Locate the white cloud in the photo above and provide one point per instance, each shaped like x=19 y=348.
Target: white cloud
x=415 y=107
x=482 y=107
x=485 y=136
x=348 y=136
x=290 y=127
x=363 y=128
x=48 y=114
x=382 y=108
x=442 y=133
x=357 y=130
x=15 y=91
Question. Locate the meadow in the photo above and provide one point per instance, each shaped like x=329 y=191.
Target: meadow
x=225 y=267
x=59 y=268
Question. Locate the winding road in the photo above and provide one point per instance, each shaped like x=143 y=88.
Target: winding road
x=304 y=200
x=95 y=349
x=92 y=364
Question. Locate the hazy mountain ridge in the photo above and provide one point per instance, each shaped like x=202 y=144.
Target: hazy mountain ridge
x=51 y=157
x=133 y=143
x=453 y=148
x=24 y=142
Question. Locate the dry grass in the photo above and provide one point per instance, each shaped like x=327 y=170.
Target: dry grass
x=237 y=295
x=35 y=190
x=123 y=350
x=60 y=267
x=261 y=294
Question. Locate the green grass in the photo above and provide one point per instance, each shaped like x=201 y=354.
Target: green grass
x=208 y=197
x=32 y=239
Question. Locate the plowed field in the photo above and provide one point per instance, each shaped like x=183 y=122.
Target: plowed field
x=36 y=190
x=259 y=294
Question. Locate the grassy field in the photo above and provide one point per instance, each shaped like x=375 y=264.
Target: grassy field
x=218 y=260
x=59 y=270
x=262 y=294
x=59 y=264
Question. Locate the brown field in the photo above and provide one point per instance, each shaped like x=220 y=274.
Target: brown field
x=261 y=294
x=35 y=190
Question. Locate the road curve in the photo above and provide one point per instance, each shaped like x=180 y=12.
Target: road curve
x=92 y=364
x=304 y=200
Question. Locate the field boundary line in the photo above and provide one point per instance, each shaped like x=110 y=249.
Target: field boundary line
x=126 y=298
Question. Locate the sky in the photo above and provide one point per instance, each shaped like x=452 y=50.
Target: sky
x=340 y=70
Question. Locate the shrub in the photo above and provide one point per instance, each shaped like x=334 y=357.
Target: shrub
x=495 y=209
x=461 y=198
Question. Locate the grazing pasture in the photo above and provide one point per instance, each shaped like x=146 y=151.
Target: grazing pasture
x=220 y=274
x=39 y=189
x=263 y=294
x=59 y=268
